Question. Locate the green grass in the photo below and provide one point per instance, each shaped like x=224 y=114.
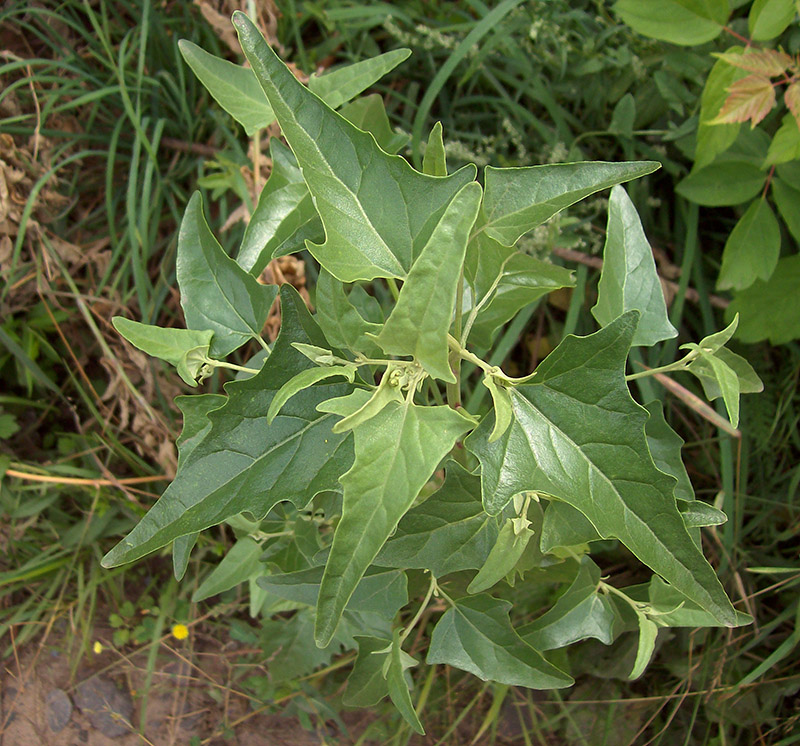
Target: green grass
x=121 y=129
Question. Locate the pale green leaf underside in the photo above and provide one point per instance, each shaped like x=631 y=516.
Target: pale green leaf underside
x=396 y=451
x=183 y=348
x=378 y=212
x=629 y=280
x=476 y=636
x=599 y=464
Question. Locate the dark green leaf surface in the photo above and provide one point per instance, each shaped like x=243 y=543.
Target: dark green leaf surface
x=752 y=249
x=697 y=514
x=580 y=613
x=183 y=348
x=240 y=563
x=675 y=610
x=380 y=591
x=378 y=212
x=476 y=636
x=284 y=218
x=448 y=532
x=421 y=318
x=769 y=310
x=665 y=448
x=216 y=293
x=368 y=113
x=394 y=671
x=243 y=464
x=578 y=435
x=728 y=182
x=366 y=685
x=629 y=280
x=505 y=554
x=564 y=526
x=396 y=451
x=340 y=320
x=519 y=199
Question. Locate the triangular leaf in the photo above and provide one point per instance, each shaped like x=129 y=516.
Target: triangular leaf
x=448 y=532
x=629 y=280
x=476 y=636
x=186 y=349
x=394 y=671
x=569 y=432
x=216 y=293
x=434 y=162
x=519 y=199
x=366 y=685
x=396 y=450
x=378 y=212
x=368 y=113
x=244 y=464
x=665 y=449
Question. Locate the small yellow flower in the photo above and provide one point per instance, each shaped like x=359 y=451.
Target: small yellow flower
x=180 y=631
x=97 y=647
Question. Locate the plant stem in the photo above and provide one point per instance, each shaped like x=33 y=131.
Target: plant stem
x=424 y=605
x=392 y=283
x=232 y=366
x=677 y=365
x=454 y=389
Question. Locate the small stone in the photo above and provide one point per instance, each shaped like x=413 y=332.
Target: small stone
x=109 y=709
x=59 y=709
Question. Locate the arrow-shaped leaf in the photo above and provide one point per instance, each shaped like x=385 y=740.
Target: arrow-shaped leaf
x=378 y=212
x=578 y=435
x=244 y=464
x=216 y=293
x=476 y=636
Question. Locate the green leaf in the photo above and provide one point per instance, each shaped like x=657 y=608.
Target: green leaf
x=580 y=613
x=182 y=553
x=234 y=87
x=648 y=631
x=503 y=281
x=502 y=406
x=785 y=144
x=684 y=22
x=244 y=464
x=287 y=649
x=368 y=113
x=519 y=199
x=715 y=341
x=303 y=380
x=216 y=293
x=697 y=514
x=240 y=563
x=434 y=162
x=448 y=532
x=623 y=116
x=578 y=435
x=768 y=19
x=476 y=636
x=564 y=526
x=725 y=380
x=336 y=87
x=786 y=200
x=380 y=591
x=394 y=670
x=713 y=139
x=665 y=449
x=673 y=609
x=421 y=318
x=722 y=183
x=186 y=349
x=752 y=249
x=343 y=325
x=510 y=544
x=396 y=451
x=378 y=212
x=769 y=310
x=749 y=382
x=629 y=280
x=284 y=218
x=366 y=685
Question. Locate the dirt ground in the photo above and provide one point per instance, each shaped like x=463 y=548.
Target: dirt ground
x=191 y=701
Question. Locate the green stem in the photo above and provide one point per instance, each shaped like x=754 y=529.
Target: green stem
x=232 y=366
x=677 y=365
x=264 y=345
x=392 y=283
x=424 y=605
x=473 y=314
x=437 y=589
x=454 y=389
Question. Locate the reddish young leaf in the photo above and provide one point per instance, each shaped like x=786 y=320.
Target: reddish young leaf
x=768 y=62
x=749 y=98
x=791 y=97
